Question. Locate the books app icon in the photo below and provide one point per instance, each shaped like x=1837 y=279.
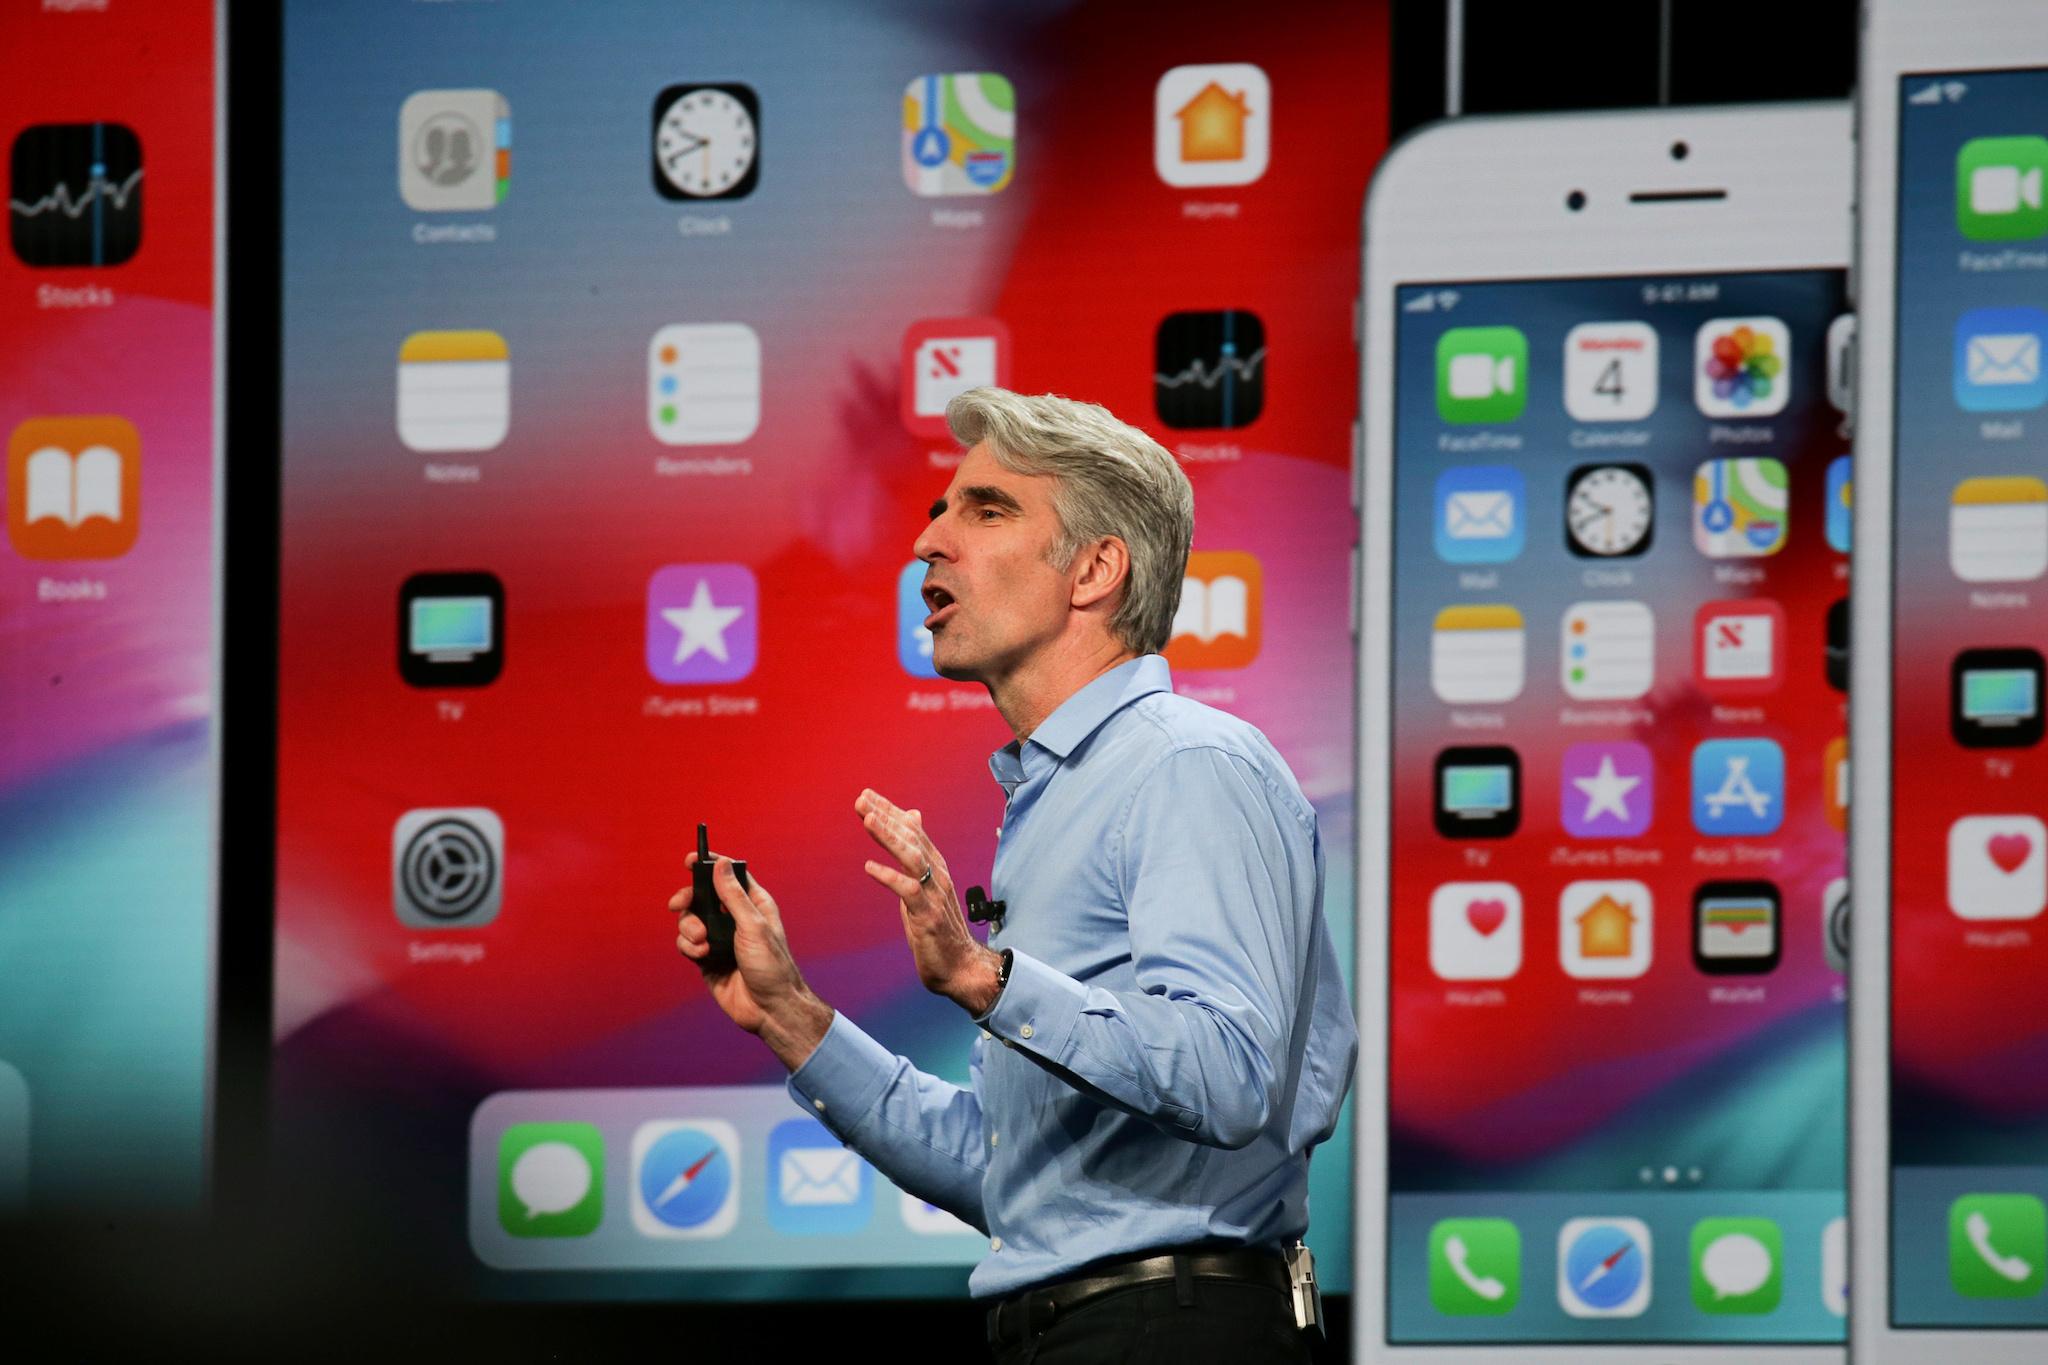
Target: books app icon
x=1217 y=625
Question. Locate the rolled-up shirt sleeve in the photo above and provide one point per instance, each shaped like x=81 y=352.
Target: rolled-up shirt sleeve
x=1221 y=876
x=922 y=1132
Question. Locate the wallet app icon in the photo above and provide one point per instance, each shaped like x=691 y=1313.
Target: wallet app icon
x=1998 y=359
x=816 y=1185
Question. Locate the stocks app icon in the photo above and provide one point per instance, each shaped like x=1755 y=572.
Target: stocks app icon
x=75 y=194
x=447 y=867
x=1209 y=369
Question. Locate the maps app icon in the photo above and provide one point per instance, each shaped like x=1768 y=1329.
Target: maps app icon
x=959 y=134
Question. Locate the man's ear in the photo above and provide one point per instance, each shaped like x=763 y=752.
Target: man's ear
x=1102 y=567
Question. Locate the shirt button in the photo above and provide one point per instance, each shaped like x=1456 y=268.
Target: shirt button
x=819 y=1104
x=994 y=1138
x=1024 y=1032
x=995 y=1244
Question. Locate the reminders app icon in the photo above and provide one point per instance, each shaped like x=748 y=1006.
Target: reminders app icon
x=816 y=1185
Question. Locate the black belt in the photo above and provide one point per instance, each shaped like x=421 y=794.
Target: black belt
x=1029 y=1312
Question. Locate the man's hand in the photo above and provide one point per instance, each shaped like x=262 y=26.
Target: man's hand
x=950 y=960
x=763 y=993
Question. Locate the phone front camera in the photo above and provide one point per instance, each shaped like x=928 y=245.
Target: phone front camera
x=1575 y=201
x=1679 y=151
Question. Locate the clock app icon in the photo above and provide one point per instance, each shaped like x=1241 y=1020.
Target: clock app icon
x=707 y=142
x=1608 y=510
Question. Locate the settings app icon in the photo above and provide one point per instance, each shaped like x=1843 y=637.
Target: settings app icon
x=447 y=867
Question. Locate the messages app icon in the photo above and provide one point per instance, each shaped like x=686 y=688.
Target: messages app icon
x=1482 y=374
x=816 y=1185
x=1479 y=514
x=1998 y=188
x=1738 y=1265
x=551 y=1179
x=1475 y=1266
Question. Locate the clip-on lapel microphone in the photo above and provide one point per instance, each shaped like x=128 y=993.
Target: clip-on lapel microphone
x=982 y=910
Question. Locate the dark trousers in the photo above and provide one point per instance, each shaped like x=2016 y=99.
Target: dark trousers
x=1227 y=1322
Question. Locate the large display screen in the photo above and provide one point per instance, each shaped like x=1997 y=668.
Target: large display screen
x=107 y=770
x=1969 y=881
x=616 y=346
x=1616 y=1082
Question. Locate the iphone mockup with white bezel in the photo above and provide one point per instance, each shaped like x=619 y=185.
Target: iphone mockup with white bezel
x=1602 y=755
x=1949 y=1157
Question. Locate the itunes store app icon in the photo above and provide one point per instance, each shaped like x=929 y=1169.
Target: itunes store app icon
x=1475 y=931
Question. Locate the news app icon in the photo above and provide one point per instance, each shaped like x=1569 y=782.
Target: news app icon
x=944 y=358
x=1482 y=374
x=454 y=150
x=1998 y=188
x=447 y=867
x=75 y=194
x=1478 y=792
x=451 y=629
x=686 y=1181
x=818 y=1186
x=1219 y=622
x=1739 y=646
x=1995 y=698
x=1209 y=369
x=74 y=487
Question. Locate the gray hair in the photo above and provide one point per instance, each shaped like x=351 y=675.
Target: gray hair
x=1111 y=479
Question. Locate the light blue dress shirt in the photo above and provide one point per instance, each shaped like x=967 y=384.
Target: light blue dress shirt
x=1175 y=1037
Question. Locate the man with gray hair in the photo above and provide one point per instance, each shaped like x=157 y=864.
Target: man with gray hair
x=1165 y=1033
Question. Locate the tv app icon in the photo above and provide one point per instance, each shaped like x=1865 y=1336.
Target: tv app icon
x=1478 y=792
x=1603 y=1267
x=447 y=867
x=1995 y=698
x=451 y=629
x=818 y=1186
x=1475 y=1266
x=1209 y=369
x=686 y=1178
x=75 y=194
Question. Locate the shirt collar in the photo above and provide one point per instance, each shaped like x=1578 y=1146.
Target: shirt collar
x=1082 y=714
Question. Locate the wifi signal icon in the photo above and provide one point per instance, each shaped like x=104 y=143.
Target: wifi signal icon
x=1447 y=298
x=1955 y=90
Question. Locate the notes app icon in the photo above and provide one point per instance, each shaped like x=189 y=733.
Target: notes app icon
x=73 y=487
x=1476 y=655
x=1998 y=529
x=1221 y=603
x=454 y=391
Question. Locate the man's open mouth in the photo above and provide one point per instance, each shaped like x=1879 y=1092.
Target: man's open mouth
x=941 y=603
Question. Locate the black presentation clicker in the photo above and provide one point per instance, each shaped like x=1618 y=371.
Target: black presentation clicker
x=705 y=906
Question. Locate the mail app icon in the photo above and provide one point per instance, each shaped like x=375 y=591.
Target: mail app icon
x=1998 y=359
x=1479 y=514
x=816 y=1185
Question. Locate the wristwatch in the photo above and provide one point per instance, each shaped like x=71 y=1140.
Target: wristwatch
x=1003 y=973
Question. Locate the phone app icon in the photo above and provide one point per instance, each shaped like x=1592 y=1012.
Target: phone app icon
x=1998 y=188
x=1995 y=698
x=1209 y=369
x=913 y=641
x=1609 y=510
x=1739 y=647
x=551 y=1179
x=959 y=134
x=1608 y=651
x=1739 y=507
x=1738 y=1265
x=1478 y=792
x=1603 y=1267
x=74 y=487
x=704 y=383
x=703 y=623
x=1737 y=928
x=1479 y=514
x=686 y=1178
x=1834 y=903
x=1607 y=790
x=1997 y=869
x=818 y=1186
x=1475 y=1267
x=451 y=629
x=1482 y=374
x=1834 y=1267
x=75 y=194
x=944 y=358
x=1741 y=367
x=1222 y=604
x=1998 y=529
x=1212 y=125
x=447 y=867
x=1476 y=655
x=1834 y=778
x=1835 y=658
x=1738 y=787
x=1605 y=930
x=1841 y=507
x=1997 y=1246
x=707 y=142
x=454 y=391
x=1998 y=359
x=1475 y=931
x=454 y=150
x=1610 y=371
